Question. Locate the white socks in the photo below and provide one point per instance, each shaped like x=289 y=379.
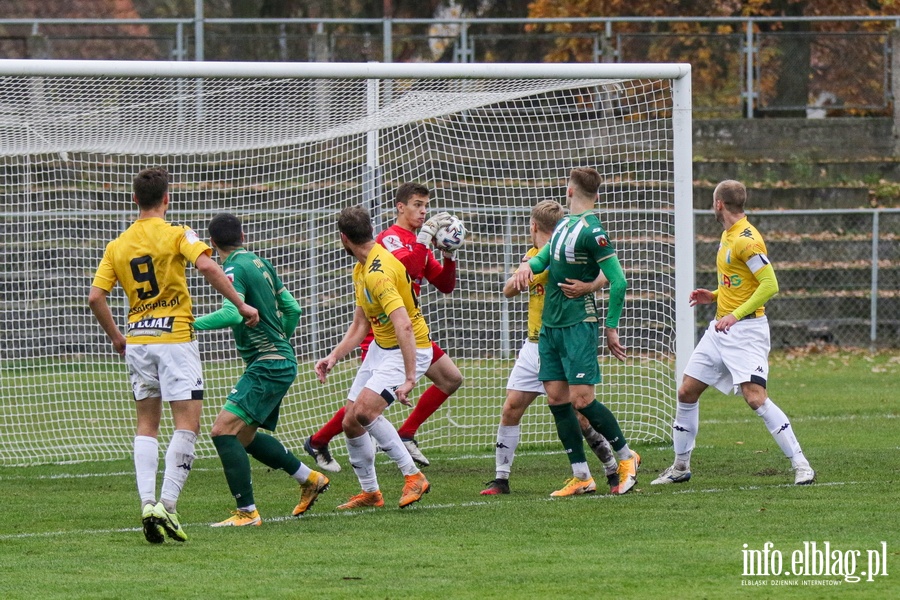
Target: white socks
x=780 y=427
x=146 y=462
x=684 y=433
x=507 y=442
x=389 y=441
x=362 y=459
x=581 y=470
x=302 y=474
x=179 y=459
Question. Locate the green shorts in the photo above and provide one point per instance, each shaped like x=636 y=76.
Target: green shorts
x=256 y=397
x=569 y=354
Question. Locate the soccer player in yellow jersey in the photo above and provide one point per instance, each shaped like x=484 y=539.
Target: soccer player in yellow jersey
x=160 y=349
x=402 y=352
x=733 y=354
x=523 y=386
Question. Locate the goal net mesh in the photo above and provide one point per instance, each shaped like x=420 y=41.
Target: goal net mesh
x=286 y=155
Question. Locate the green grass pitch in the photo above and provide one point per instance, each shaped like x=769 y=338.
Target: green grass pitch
x=72 y=530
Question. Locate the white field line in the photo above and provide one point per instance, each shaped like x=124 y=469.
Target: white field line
x=418 y=507
x=381 y=460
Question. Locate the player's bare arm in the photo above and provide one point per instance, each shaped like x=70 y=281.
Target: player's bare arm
x=613 y=343
x=575 y=288
x=406 y=339
x=725 y=323
x=701 y=296
x=355 y=334
x=100 y=308
x=217 y=278
x=523 y=277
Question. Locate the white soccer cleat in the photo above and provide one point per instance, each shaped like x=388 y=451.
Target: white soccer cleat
x=416 y=454
x=804 y=475
x=322 y=456
x=672 y=475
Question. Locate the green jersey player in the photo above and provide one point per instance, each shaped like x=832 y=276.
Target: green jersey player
x=271 y=367
x=579 y=250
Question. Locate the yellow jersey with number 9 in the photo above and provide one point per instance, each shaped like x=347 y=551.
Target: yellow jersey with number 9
x=148 y=260
x=382 y=286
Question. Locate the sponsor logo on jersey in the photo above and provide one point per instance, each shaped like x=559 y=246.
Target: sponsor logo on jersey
x=375 y=267
x=731 y=281
x=191 y=236
x=747 y=233
x=154 y=305
x=392 y=243
x=152 y=326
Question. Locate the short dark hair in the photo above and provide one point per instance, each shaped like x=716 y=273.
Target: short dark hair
x=225 y=230
x=585 y=180
x=355 y=223
x=410 y=189
x=150 y=186
x=733 y=195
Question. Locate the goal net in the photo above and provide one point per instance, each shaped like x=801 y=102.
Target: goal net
x=285 y=147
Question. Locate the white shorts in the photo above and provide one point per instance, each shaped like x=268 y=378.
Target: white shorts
x=382 y=371
x=168 y=371
x=524 y=374
x=725 y=361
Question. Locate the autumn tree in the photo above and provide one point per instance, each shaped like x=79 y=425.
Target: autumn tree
x=714 y=49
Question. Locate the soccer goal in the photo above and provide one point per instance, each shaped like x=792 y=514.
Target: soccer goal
x=285 y=147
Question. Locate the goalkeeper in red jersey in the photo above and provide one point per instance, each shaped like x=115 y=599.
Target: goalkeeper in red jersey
x=413 y=250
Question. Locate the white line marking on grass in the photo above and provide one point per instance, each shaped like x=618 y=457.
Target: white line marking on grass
x=422 y=507
x=827 y=418
x=84 y=475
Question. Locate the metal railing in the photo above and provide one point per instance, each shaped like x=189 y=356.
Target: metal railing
x=843 y=66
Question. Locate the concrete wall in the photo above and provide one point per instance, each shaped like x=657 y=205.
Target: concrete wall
x=792 y=139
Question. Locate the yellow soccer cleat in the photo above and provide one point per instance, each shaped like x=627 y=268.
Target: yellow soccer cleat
x=309 y=491
x=170 y=523
x=628 y=472
x=575 y=487
x=153 y=531
x=241 y=518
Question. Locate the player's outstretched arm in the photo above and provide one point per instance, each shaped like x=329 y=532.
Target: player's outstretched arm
x=217 y=278
x=227 y=316
x=701 y=296
x=103 y=314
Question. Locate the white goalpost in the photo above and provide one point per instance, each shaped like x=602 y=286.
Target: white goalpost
x=285 y=146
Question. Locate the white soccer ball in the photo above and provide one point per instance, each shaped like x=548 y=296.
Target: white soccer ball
x=450 y=237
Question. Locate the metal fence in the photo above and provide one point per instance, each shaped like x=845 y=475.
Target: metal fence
x=750 y=66
x=838 y=274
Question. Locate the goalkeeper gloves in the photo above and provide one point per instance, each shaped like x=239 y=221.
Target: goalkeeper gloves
x=430 y=228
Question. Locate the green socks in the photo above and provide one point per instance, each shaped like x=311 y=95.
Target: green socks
x=272 y=453
x=569 y=431
x=236 y=464
x=605 y=423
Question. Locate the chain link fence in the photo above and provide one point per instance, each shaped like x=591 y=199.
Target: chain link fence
x=814 y=67
x=838 y=274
